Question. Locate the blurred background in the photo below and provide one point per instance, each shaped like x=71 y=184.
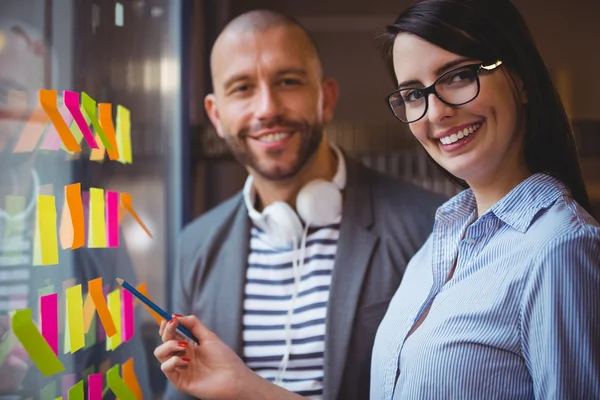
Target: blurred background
x=151 y=56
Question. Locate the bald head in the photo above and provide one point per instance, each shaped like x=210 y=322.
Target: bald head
x=260 y=22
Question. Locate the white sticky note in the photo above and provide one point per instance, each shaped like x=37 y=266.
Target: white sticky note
x=119 y=14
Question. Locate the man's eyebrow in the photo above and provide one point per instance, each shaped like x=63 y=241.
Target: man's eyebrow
x=234 y=79
x=439 y=71
x=283 y=71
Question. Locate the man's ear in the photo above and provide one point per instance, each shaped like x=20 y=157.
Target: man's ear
x=331 y=92
x=210 y=105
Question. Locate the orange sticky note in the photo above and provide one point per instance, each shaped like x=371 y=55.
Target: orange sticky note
x=99 y=153
x=124 y=135
x=32 y=340
x=143 y=289
x=72 y=227
x=33 y=131
x=97 y=219
x=131 y=380
x=114 y=306
x=45 y=249
x=127 y=203
x=106 y=121
x=95 y=290
x=48 y=102
x=88 y=313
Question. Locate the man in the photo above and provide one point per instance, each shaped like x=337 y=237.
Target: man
x=22 y=53
x=299 y=302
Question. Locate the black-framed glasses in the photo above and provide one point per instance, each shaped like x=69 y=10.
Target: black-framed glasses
x=456 y=87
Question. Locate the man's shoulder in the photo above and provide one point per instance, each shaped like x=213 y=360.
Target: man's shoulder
x=211 y=221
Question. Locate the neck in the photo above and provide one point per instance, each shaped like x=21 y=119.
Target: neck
x=490 y=190
x=322 y=165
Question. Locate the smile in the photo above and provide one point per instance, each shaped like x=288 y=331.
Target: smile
x=457 y=136
x=274 y=137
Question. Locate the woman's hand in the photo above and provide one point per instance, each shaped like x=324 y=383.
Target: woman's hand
x=209 y=370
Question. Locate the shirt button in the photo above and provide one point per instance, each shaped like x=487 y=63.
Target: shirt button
x=470 y=241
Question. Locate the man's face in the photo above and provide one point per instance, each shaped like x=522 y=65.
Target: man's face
x=270 y=101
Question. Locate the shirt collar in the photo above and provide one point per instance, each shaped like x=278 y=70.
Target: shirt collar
x=517 y=208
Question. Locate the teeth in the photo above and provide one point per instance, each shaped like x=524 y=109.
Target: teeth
x=273 y=137
x=455 y=137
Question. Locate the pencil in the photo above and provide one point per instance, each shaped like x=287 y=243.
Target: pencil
x=153 y=306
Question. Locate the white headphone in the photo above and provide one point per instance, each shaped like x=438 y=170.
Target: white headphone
x=318 y=203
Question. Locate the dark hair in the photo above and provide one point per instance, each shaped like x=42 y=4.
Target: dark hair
x=491 y=30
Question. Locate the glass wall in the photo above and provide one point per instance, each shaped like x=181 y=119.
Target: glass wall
x=91 y=123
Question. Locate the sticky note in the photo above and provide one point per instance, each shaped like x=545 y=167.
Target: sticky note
x=130 y=379
x=49 y=320
x=143 y=289
x=49 y=391
x=87 y=372
x=72 y=225
x=74 y=311
x=88 y=312
x=45 y=250
x=62 y=304
x=116 y=384
x=34 y=343
x=14 y=227
x=114 y=306
x=99 y=153
x=68 y=381
x=119 y=14
x=91 y=334
x=95 y=290
x=82 y=120
x=95 y=387
x=89 y=105
x=127 y=316
x=97 y=223
x=33 y=131
x=112 y=218
x=124 y=135
x=45 y=290
x=52 y=140
x=127 y=203
x=106 y=121
x=48 y=102
x=76 y=392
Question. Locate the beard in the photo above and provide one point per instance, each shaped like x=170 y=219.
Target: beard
x=311 y=136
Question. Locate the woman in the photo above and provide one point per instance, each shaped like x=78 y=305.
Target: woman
x=503 y=299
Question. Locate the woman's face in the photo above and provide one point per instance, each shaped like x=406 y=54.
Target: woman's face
x=478 y=141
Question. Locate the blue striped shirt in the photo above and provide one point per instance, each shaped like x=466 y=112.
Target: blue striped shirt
x=520 y=317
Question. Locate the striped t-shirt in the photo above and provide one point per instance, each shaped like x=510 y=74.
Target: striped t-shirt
x=268 y=296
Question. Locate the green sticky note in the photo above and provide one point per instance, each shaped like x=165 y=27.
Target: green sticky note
x=76 y=392
x=48 y=392
x=34 y=343
x=90 y=337
x=89 y=105
x=87 y=372
x=117 y=385
x=46 y=290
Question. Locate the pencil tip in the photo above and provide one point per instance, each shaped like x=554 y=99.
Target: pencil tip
x=119 y=280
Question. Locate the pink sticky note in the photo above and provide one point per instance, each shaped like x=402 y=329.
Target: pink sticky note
x=52 y=140
x=95 y=387
x=112 y=218
x=49 y=320
x=72 y=103
x=68 y=381
x=127 y=315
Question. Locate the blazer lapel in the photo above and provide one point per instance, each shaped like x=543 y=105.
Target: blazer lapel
x=232 y=263
x=355 y=247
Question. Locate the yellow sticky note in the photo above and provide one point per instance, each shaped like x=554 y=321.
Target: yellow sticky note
x=34 y=343
x=124 y=135
x=97 y=222
x=45 y=250
x=114 y=306
x=74 y=306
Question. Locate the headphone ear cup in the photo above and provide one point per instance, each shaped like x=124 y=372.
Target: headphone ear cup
x=281 y=224
x=319 y=203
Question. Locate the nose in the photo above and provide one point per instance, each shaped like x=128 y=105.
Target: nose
x=438 y=110
x=267 y=104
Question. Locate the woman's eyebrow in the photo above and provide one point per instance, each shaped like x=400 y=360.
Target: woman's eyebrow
x=438 y=71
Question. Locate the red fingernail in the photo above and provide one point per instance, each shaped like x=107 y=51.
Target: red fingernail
x=182 y=344
x=185 y=359
x=171 y=320
x=178 y=315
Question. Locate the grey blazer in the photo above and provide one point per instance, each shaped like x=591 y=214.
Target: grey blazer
x=384 y=223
